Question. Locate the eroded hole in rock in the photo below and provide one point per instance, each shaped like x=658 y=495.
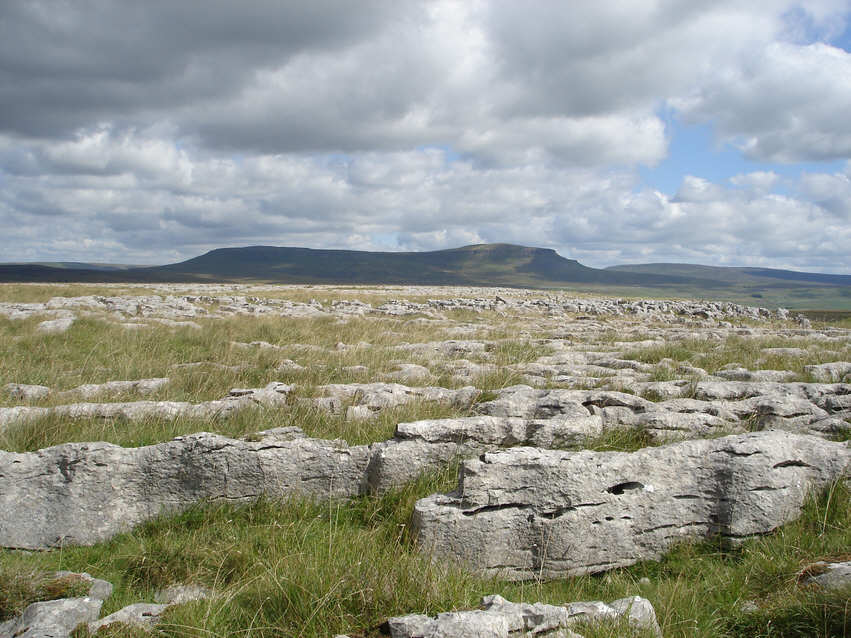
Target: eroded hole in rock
x=791 y=463
x=626 y=486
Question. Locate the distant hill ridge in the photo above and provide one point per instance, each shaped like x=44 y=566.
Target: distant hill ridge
x=482 y=264
x=477 y=265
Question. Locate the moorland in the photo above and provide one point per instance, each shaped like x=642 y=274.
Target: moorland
x=334 y=413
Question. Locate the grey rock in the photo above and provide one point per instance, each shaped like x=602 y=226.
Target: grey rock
x=430 y=444
x=409 y=372
x=743 y=374
x=52 y=618
x=99 y=589
x=179 y=594
x=140 y=386
x=55 y=326
x=273 y=395
x=784 y=352
x=144 y=615
x=830 y=372
x=379 y=396
x=527 y=402
x=451 y=348
x=830 y=575
x=662 y=390
x=500 y=618
x=83 y=493
x=467 y=370
x=288 y=365
x=528 y=513
x=24 y=392
x=667 y=426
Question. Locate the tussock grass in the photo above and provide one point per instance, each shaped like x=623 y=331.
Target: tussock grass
x=39 y=293
x=302 y=568
x=712 y=355
x=299 y=568
x=20 y=587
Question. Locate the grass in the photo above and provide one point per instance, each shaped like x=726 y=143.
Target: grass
x=303 y=568
x=747 y=352
x=21 y=587
x=298 y=568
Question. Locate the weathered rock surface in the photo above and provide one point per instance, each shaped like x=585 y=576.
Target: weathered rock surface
x=809 y=408
x=83 y=493
x=138 y=386
x=24 y=392
x=273 y=395
x=526 y=513
x=429 y=444
x=52 y=618
x=379 y=396
x=86 y=391
x=58 y=618
x=144 y=615
x=501 y=618
x=829 y=575
x=55 y=326
x=830 y=372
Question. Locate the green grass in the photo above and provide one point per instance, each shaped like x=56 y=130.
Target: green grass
x=302 y=568
x=298 y=568
x=747 y=352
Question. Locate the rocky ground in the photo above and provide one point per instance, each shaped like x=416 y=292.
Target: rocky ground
x=592 y=433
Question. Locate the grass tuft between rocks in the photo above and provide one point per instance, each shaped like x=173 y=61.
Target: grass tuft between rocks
x=301 y=568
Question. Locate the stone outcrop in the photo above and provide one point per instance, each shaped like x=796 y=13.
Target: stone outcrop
x=500 y=618
x=374 y=397
x=83 y=493
x=58 y=618
x=527 y=513
x=828 y=575
x=431 y=444
x=25 y=392
x=273 y=395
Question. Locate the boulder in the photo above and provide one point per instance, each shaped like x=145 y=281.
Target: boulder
x=84 y=493
x=431 y=444
x=531 y=513
x=500 y=618
x=273 y=395
x=829 y=575
x=830 y=372
x=55 y=326
x=24 y=392
x=52 y=618
x=144 y=615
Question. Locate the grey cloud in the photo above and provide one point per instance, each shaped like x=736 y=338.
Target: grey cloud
x=785 y=103
x=157 y=130
x=70 y=65
x=414 y=201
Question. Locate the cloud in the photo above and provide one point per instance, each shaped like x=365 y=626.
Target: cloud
x=155 y=131
x=148 y=201
x=787 y=103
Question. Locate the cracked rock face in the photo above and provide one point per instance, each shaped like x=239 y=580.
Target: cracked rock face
x=83 y=493
x=273 y=395
x=500 y=618
x=528 y=513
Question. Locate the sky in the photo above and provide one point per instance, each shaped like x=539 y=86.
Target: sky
x=612 y=131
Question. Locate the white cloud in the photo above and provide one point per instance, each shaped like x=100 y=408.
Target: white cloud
x=412 y=126
x=413 y=200
x=759 y=181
